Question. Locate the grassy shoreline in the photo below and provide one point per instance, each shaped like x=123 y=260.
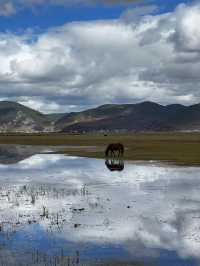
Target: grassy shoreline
x=179 y=148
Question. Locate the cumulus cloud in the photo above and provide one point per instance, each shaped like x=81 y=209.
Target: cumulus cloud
x=187 y=32
x=83 y=64
x=135 y=13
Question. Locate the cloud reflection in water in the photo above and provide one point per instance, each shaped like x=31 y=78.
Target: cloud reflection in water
x=146 y=208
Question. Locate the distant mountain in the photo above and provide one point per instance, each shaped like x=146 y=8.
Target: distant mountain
x=54 y=116
x=15 y=117
x=145 y=116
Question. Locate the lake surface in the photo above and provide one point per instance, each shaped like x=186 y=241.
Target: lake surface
x=60 y=210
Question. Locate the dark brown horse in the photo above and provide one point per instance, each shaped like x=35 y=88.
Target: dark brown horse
x=114 y=149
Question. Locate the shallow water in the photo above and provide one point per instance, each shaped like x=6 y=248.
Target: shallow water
x=59 y=210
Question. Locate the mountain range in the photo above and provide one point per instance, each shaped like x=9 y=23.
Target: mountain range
x=141 y=117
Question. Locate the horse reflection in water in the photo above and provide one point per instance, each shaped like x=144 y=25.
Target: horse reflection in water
x=114 y=165
x=114 y=157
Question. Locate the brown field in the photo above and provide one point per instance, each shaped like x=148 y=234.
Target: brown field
x=179 y=148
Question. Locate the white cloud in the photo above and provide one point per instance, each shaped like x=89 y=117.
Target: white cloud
x=89 y=63
x=187 y=32
x=136 y=12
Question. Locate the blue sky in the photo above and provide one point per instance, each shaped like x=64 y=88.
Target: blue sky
x=46 y=15
x=61 y=56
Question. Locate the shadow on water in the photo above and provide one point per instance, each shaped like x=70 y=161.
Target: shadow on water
x=13 y=154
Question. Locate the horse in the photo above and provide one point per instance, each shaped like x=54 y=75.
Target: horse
x=113 y=148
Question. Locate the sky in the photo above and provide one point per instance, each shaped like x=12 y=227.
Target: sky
x=70 y=55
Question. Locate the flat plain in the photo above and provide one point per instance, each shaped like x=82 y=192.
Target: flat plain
x=178 y=148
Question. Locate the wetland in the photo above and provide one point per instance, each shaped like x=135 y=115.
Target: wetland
x=64 y=209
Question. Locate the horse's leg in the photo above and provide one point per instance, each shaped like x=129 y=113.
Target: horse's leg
x=117 y=153
x=122 y=151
